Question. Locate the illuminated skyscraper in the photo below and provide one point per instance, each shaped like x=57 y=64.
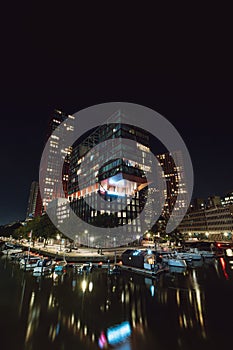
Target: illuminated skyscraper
x=32 y=200
x=175 y=181
x=120 y=179
x=50 y=167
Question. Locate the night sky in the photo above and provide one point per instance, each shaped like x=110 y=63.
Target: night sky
x=44 y=67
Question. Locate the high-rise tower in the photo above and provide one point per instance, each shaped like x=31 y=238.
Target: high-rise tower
x=50 y=168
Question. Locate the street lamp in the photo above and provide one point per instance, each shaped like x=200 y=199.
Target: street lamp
x=91 y=240
x=225 y=234
x=76 y=240
x=114 y=243
x=87 y=234
x=59 y=239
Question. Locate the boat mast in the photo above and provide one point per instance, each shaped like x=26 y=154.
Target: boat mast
x=29 y=247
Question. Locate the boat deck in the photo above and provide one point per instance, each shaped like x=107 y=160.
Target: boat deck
x=144 y=272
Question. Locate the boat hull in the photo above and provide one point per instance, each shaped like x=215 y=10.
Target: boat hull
x=177 y=262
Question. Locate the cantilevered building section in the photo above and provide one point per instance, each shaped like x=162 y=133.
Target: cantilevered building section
x=116 y=175
x=50 y=167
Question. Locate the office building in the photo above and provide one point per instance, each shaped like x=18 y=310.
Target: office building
x=227 y=199
x=174 y=177
x=33 y=200
x=198 y=204
x=215 y=222
x=214 y=201
x=118 y=178
x=50 y=168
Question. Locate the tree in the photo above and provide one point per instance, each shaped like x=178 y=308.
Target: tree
x=41 y=227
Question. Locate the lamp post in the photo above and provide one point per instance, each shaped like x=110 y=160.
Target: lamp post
x=76 y=240
x=87 y=235
x=138 y=237
x=59 y=239
x=91 y=240
x=114 y=243
x=225 y=235
x=148 y=235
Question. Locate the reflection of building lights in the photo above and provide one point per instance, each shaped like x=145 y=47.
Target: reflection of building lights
x=102 y=341
x=90 y=287
x=180 y=321
x=78 y=324
x=85 y=330
x=185 y=320
x=50 y=300
x=84 y=285
x=223 y=263
x=72 y=319
x=118 y=333
x=122 y=297
x=127 y=297
x=178 y=297
x=32 y=299
x=190 y=297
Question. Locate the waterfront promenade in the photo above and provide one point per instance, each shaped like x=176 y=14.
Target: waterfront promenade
x=75 y=255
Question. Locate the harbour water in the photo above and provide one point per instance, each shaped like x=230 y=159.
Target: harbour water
x=184 y=310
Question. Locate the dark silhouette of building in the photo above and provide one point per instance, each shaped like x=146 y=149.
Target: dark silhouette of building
x=33 y=200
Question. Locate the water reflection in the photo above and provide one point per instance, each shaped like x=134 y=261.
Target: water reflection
x=127 y=311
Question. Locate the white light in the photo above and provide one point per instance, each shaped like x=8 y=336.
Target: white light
x=84 y=286
x=90 y=287
x=229 y=253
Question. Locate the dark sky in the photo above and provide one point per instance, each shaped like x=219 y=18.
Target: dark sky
x=45 y=66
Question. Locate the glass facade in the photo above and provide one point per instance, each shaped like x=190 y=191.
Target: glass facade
x=119 y=178
x=50 y=168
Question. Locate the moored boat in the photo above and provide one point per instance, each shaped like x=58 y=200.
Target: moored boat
x=60 y=266
x=29 y=262
x=207 y=254
x=13 y=251
x=176 y=262
x=43 y=266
